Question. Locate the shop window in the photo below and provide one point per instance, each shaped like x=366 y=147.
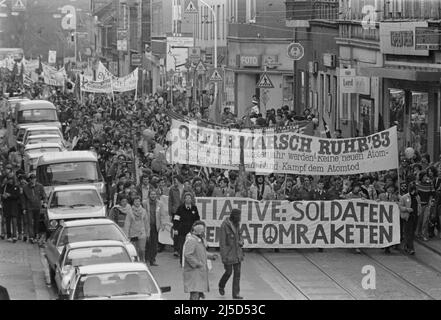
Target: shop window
x=287 y=87
x=418 y=121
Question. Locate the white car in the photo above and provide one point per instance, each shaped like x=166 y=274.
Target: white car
x=87 y=253
x=73 y=202
x=73 y=231
x=38 y=131
x=114 y=281
x=34 y=151
x=45 y=138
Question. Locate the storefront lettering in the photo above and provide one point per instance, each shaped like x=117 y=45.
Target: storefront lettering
x=401 y=39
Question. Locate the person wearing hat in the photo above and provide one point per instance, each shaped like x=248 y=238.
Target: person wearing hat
x=183 y=220
x=195 y=262
x=35 y=197
x=231 y=243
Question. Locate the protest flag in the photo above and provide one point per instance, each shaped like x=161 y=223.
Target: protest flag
x=327 y=130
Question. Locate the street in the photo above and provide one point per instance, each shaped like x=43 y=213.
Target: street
x=266 y=275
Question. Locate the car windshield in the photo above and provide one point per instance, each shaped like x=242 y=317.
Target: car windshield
x=76 y=199
x=40 y=139
x=37 y=115
x=96 y=255
x=68 y=173
x=42 y=132
x=43 y=150
x=91 y=233
x=115 y=284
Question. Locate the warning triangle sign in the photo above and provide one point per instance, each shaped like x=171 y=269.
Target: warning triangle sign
x=265 y=82
x=19 y=5
x=201 y=67
x=191 y=7
x=216 y=77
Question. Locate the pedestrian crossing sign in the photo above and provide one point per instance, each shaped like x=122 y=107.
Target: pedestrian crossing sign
x=19 y=5
x=201 y=68
x=191 y=6
x=265 y=82
x=216 y=76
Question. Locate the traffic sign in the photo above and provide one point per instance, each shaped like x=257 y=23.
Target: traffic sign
x=19 y=5
x=136 y=59
x=194 y=54
x=296 y=51
x=265 y=82
x=216 y=76
x=191 y=6
x=201 y=68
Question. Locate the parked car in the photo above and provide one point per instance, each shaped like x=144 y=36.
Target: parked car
x=114 y=281
x=44 y=138
x=38 y=131
x=34 y=151
x=87 y=253
x=36 y=112
x=83 y=230
x=73 y=202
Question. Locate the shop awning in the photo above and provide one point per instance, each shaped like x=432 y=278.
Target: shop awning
x=401 y=74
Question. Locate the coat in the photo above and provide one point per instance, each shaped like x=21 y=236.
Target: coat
x=195 y=265
x=162 y=216
x=174 y=200
x=34 y=196
x=183 y=219
x=10 y=204
x=137 y=225
x=406 y=203
x=230 y=243
x=268 y=193
x=392 y=198
x=218 y=193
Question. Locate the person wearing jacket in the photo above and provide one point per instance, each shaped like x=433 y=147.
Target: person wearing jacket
x=261 y=190
x=35 y=197
x=231 y=243
x=410 y=208
x=195 y=262
x=10 y=197
x=183 y=220
x=224 y=190
x=119 y=212
x=174 y=201
x=157 y=217
x=137 y=228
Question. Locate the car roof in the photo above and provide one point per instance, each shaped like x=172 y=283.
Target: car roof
x=42 y=145
x=37 y=128
x=113 y=267
x=36 y=104
x=98 y=243
x=68 y=156
x=87 y=222
x=75 y=187
x=44 y=136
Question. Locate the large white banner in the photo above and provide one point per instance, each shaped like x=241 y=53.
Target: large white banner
x=305 y=224
x=285 y=152
x=97 y=86
x=127 y=83
x=54 y=77
x=102 y=73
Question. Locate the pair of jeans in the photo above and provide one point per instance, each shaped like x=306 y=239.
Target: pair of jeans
x=11 y=227
x=33 y=223
x=409 y=231
x=230 y=269
x=151 y=248
x=423 y=222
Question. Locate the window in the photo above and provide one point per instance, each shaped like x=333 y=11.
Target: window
x=251 y=11
x=37 y=115
x=287 y=87
x=68 y=173
x=76 y=198
x=91 y=233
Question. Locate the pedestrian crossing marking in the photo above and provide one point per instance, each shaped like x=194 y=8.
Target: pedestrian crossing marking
x=265 y=82
x=216 y=77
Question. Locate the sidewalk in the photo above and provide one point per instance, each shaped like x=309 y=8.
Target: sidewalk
x=21 y=271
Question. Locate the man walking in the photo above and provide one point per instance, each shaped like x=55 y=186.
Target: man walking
x=174 y=201
x=231 y=243
x=155 y=217
x=34 y=196
x=195 y=262
x=10 y=197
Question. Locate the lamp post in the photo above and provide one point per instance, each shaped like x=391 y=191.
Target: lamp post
x=217 y=113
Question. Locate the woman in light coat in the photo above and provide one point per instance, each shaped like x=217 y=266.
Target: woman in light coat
x=137 y=227
x=195 y=262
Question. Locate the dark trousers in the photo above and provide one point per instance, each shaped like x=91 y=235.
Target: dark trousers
x=181 y=242
x=229 y=269
x=11 y=226
x=151 y=247
x=33 y=222
x=21 y=222
x=409 y=232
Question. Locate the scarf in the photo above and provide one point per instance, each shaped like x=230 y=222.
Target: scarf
x=137 y=212
x=126 y=210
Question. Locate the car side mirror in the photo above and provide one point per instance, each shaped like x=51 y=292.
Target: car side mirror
x=165 y=289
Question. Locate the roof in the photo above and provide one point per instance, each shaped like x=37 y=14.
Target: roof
x=75 y=187
x=100 y=243
x=40 y=127
x=113 y=267
x=42 y=145
x=68 y=156
x=87 y=222
x=36 y=104
x=38 y=136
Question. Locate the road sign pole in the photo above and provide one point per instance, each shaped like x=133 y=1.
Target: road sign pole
x=294 y=82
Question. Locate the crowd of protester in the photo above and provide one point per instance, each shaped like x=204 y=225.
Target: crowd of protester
x=115 y=127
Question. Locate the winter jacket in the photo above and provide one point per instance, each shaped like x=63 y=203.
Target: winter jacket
x=195 y=265
x=230 y=243
x=184 y=218
x=174 y=200
x=161 y=214
x=33 y=196
x=118 y=214
x=10 y=204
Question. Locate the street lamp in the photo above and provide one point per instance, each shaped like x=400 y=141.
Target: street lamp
x=215 y=57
